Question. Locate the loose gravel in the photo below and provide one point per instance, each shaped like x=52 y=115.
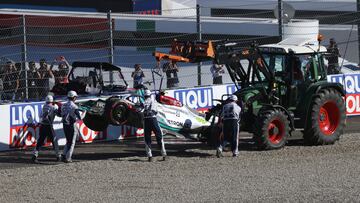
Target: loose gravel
x=295 y=173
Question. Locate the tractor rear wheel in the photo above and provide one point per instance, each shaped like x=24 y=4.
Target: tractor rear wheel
x=327 y=118
x=271 y=129
x=116 y=111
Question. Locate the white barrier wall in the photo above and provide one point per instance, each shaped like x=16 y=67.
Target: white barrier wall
x=19 y=130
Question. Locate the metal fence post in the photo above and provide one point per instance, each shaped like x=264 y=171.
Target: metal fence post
x=280 y=20
x=198 y=29
x=24 y=56
x=111 y=45
x=358 y=25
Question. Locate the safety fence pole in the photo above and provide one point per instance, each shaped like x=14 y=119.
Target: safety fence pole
x=280 y=20
x=358 y=25
x=24 y=55
x=111 y=45
x=198 y=29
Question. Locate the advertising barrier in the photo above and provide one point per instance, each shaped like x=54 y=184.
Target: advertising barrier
x=351 y=83
x=24 y=127
x=19 y=123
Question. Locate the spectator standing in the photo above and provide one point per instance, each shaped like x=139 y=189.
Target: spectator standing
x=70 y=114
x=137 y=75
x=46 y=130
x=61 y=75
x=231 y=119
x=32 y=79
x=46 y=75
x=217 y=70
x=171 y=70
x=333 y=57
x=10 y=81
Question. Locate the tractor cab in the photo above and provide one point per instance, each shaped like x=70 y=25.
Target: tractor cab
x=294 y=66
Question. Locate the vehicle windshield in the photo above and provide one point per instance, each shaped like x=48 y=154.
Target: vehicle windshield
x=312 y=66
x=275 y=62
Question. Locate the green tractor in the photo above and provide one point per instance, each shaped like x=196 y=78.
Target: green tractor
x=283 y=87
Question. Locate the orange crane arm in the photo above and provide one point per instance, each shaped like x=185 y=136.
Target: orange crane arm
x=188 y=52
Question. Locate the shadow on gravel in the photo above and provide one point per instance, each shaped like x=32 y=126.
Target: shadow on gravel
x=125 y=151
x=296 y=142
x=22 y=158
x=105 y=155
x=14 y=160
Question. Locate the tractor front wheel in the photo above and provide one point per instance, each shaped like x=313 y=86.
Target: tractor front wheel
x=327 y=118
x=271 y=129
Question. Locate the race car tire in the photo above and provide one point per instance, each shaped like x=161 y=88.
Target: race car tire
x=95 y=122
x=326 y=121
x=212 y=135
x=116 y=111
x=272 y=129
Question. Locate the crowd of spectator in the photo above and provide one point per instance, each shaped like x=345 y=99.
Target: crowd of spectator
x=32 y=82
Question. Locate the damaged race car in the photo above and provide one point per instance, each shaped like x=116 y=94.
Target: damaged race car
x=174 y=117
x=116 y=105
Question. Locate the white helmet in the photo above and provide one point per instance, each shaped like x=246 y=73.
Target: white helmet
x=233 y=97
x=72 y=94
x=49 y=99
x=147 y=93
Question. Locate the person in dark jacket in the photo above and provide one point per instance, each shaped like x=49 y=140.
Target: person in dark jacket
x=333 y=57
x=32 y=75
x=217 y=70
x=138 y=76
x=171 y=70
x=10 y=81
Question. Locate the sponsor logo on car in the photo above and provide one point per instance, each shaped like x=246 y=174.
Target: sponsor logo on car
x=176 y=123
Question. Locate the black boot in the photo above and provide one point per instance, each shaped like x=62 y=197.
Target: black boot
x=34 y=159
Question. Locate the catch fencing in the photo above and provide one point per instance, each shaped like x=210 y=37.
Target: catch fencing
x=127 y=39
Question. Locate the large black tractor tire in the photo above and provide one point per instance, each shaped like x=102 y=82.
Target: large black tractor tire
x=272 y=129
x=95 y=122
x=326 y=121
x=116 y=111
